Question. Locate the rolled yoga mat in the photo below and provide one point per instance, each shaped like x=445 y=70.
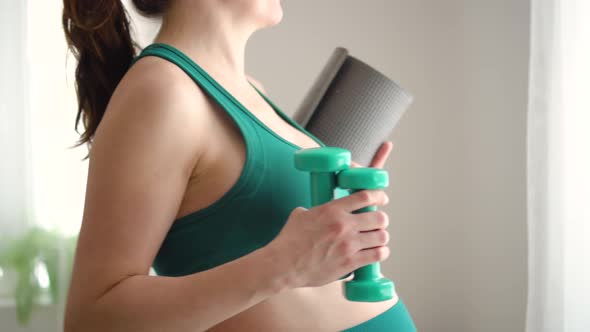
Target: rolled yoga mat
x=353 y=106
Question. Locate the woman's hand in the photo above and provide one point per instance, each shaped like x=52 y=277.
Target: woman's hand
x=318 y=245
x=380 y=156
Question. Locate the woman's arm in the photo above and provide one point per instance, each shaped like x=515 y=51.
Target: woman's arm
x=143 y=154
x=191 y=303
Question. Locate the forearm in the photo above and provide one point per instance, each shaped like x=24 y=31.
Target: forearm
x=190 y=303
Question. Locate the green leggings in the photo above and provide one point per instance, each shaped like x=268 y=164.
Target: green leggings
x=395 y=319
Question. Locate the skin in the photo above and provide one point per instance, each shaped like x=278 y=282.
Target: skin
x=134 y=192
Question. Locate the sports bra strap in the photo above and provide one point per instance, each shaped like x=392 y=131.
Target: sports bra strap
x=198 y=74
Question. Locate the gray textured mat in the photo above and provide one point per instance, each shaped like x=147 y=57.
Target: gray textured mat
x=353 y=106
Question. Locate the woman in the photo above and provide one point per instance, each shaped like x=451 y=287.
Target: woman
x=191 y=170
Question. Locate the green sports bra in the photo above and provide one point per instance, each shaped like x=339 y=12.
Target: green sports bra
x=254 y=210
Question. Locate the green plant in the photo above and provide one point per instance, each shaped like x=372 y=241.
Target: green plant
x=24 y=254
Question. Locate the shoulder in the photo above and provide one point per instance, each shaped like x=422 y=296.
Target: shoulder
x=152 y=79
x=158 y=107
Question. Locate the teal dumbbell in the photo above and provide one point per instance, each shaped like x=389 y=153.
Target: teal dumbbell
x=368 y=284
x=323 y=163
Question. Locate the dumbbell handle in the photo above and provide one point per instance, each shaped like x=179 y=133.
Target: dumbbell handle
x=369 y=270
x=322 y=187
x=322 y=191
x=368 y=285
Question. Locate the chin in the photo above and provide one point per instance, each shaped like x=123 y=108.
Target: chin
x=269 y=12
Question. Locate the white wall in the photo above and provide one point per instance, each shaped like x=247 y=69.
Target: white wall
x=458 y=167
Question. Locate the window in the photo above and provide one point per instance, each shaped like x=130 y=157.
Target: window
x=43 y=179
x=59 y=175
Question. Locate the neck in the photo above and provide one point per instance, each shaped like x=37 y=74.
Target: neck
x=210 y=36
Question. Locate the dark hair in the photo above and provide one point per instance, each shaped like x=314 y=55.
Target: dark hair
x=98 y=35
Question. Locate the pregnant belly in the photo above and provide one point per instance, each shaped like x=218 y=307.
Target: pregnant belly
x=305 y=309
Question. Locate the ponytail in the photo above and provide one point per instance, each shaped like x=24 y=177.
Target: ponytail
x=98 y=35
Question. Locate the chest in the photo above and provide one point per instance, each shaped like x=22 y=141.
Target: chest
x=225 y=156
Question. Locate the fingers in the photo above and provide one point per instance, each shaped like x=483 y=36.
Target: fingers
x=361 y=199
x=372 y=220
x=379 y=158
x=373 y=239
x=381 y=155
x=369 y=256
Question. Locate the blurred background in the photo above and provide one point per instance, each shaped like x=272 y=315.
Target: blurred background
x=488 y=175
